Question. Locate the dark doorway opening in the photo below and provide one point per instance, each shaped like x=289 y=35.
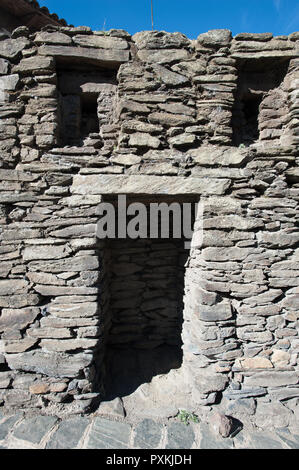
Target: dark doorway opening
x=146 y=308
x=142 y=310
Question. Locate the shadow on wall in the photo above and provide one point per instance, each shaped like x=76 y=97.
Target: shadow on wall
x=129 y=368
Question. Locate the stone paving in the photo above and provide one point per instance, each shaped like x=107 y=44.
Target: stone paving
x=49 y=432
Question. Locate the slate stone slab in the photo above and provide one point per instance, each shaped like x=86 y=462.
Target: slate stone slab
x=148 y=434
x=291 y=440
x=180 y=436
x=104 y=57
x=147 y=184
x=7 y=425
x=209 y=441
x=239 y=440
x=68 y=434
x=106 y=434
x=263 y=441
x=34 y=429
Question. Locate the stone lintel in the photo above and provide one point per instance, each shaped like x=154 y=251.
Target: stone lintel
x=285 y=54
x=143 y=184
x=111 y=58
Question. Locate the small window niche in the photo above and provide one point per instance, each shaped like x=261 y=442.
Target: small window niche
x=246 y=128
x=81 y=89
x=255 y=107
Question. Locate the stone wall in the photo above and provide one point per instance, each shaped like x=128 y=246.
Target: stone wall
x=168 y=112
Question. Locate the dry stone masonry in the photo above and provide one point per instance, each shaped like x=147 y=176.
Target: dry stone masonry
x=88 y=115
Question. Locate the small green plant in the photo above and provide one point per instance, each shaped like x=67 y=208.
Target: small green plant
x=242 y=146
x=186 y=417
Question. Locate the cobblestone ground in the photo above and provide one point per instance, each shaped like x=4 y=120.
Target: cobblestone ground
x=48 y=432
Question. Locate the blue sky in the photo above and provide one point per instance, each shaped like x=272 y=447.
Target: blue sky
x=190 y=17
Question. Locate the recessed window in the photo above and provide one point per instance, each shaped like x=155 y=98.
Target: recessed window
x=258 y=79
x=81 y=93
